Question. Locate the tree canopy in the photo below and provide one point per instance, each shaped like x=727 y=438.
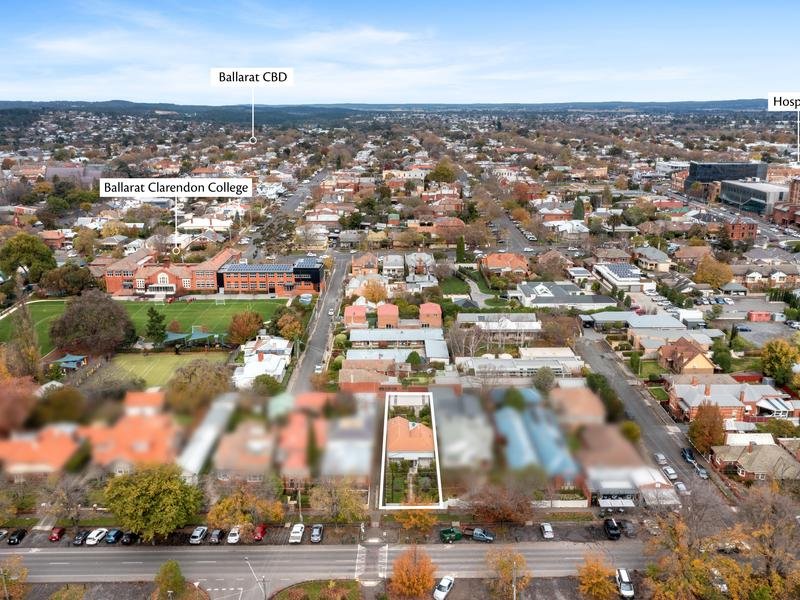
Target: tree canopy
x=93 y=324
x=30 y=253
x=195 y=384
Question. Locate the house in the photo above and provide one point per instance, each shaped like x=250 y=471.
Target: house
x=26 y=456
x=502 y=329
x=465 y=432
x=355 y=317
x=504 y=366
x=258 y=364
x=419 y=263
x=623 y=276
x=388 y=316
x=610 y=255
x=245 y=453
x=559 y=294
x=349 y=443
x=577 y=406
x=292 y=453
x=755 y=461
x=53 y=238
x=685 y=355
x=735 y=401
x=692 y=255
x=393 y=266
x=266 y=344
x=430 y=315
x=652 y=259
x=367 y=264
x=504 y=264
x=409 y=440
x=198 y=450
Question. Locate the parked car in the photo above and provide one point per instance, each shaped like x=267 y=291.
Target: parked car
x=233 y=536
x=718 y=581
x=316 y=533
x=670 y=473
x=129 y=538
x=56 y=534
x=80 y=538
x=450 y=535
x=681 y=488
x=628 y=528
x=95 y=536
x=296 y=535
x=612 y=529
x=624 y=584
x=743 y=328
x=216 y=536
x=661 y=460
x=687 y=454
x=113 y=536
x=3 y=534
x=479 y=535
x=443 y=587
x=17 y=536
x=260 y=532
x=547 y=531
x=198 y=535
x=701 y=472
x=331 y=312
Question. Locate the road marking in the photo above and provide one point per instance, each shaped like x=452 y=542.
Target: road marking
x=58 y=563
x=361 y=561
x=132 y=562
x=208 y=562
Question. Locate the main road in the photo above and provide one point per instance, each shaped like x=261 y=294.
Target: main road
x=231 y=571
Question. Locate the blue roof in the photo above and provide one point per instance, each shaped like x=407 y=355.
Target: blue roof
x=530 y=395
x=70 y=358
x=257 y=268
x=174 y=337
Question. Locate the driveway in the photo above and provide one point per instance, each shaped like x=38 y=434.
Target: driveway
x=476 y=294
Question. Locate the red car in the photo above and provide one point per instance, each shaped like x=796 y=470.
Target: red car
x=260 y=532
x=56 y=534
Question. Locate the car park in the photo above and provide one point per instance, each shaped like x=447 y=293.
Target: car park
x=129 y=538
x=113 y=536
x=80 y=538
x=547 y=531
x=56 y=534
x=443 y=587
x=670 y=473
x=198 y=535
x=216 y=536
x=611 y=529
x=95 y=536
x=296 y=534
x=317 y=531
x=624 y=584
x=260 y=532
x=17 y=536
x=233 y=536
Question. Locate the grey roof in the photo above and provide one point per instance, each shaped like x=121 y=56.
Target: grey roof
x=436 y=349
x=653 y=254
x=395 y=335
x=622 y=270
x=448 y=403
x=205 y=437
x=395 y=354
x=464 y=317
x=732 y=286
x=771 y=460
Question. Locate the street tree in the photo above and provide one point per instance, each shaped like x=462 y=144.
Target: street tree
x=510 y=570
x=156 y=328
x=713 y=272
x=630 y=431
x=93 y=324
x=290 y=327
x=340 y=501
x=63 y=497
x=420 y=521
x=244 y=326
x=69 y=591
x=243 y=508
x=170 y=583
x=412 y=575
x=28 y=252
x=8 y=509
x=707 y=428
x=196 y=384
x=22 y=355
x=595 y=579
x=500 y=503
x=153 y=501
x=777 y=359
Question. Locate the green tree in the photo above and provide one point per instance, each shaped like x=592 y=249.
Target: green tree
x=69 y=591
x=30 y=253
x=68 y=280
x=461 y=253
x=414 y=359
x=267 y=385
x=156 y=329
x=513 y=398
x=722 y=358
x=630 y=431
x=544 y=379
x=707 y=428
x=578 y=210
x=170 y=579
x=153 y=501
x=196 y=384
x=777 y=359
x=444 y=171
x=340 y=501
x=94 y=324
x=779 y=428
x=22 y=350
x=65 y=404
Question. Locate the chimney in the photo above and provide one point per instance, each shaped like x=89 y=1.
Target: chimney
x=260 y=356
x=708 y=390
x=741 y=396
x=750 y=447
x=694 y=380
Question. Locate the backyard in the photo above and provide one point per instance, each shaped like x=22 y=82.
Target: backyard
x=454 y=286
x=155 y=369
x=215 y=317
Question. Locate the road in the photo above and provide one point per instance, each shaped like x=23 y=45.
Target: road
x=224 y=570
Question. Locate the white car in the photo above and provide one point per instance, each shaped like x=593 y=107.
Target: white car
x=233 y=536
x=318 y=369
x=296 y=535
x=624 y=584
x=681 y=488
x=728 y=301
x=527 y=249
x=670 y=473
x=547 y=531
x=311 y=254
x=331 y=312
x=443 y=587
x=353 y=251
x=96 y=536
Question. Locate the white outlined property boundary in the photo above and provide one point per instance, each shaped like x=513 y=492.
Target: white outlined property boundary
x=381 y=504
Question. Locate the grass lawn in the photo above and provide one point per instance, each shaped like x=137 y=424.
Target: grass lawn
x=454 y=285
x=200 y=312
x=314 y=588
x=746 y=363
x=659 y=393
x=649 y=367
x=478 y=278
x=156 y=369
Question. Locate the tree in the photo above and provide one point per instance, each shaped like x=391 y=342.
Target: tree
x=156 y=329
x=713 y=272
x=83 y=242
x=16 y=402
x=722 y=358
x=777 y=359
x=414 y=359
x=30 y=253
x=170 y=582
x=244 y=326
x=779 y=428
x=22 y=350
x=461 y=254
x=707 y=428
x=544 y=379
x=775 y=529
x=63 y=497
x=195 y=384
x=64 y=404
x=595 y=579
x=68 y=280
x=340 y=501
x=444 y=171
x=243 y=508
x=578 y=210
x=8 y=509
x=374 y=291
x=498 y=503
x=267 y=385
x=630 y=431
x=15 y=578
x=93 y=324
x=174 y=326
x=69 y=591
x=510 y=571
x=290 y=327
x=153 y=501
x=412 y=574
x=416 y=520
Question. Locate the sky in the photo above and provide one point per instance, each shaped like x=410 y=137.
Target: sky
x=409 y=52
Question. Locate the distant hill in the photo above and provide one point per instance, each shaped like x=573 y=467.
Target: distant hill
x=323 y=113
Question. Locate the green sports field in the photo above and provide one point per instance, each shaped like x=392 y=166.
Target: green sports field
x=200 y=312
x=155 y=369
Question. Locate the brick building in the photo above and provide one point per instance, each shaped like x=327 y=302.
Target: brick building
x=306 y=275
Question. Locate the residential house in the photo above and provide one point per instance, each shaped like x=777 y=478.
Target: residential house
x=349 y=443
x=560 y=295
x=505 y=265
x=197 y=451
x=355 y=317
x=623 y=276
x=758 y=459
x=34 y=455
x=292 y=452
x=409 y=440
x=393 y=266
x=610 y=255
x=465 y=432
x=53 y=238
x=691 y=256
x=418 y=263
x=685 y=355
x=258 y=364
x=366 y=264
x=388 y=316
x=652 y=259
x=577 y=406
x=430 y=315
x=245 y=453
x=736 y=401
x=503 y=329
